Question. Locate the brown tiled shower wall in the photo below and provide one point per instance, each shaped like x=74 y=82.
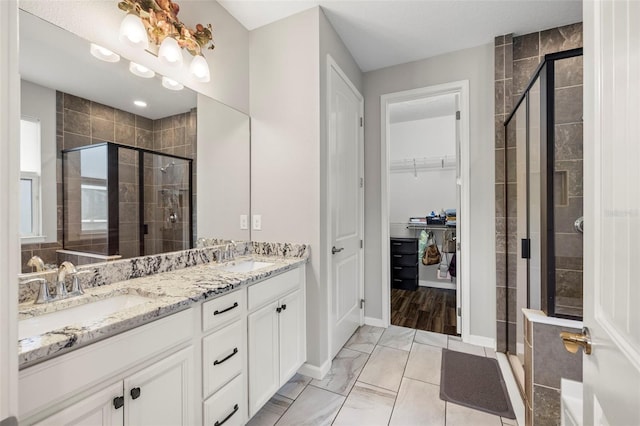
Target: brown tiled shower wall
x=516 y=59
x=81 y=122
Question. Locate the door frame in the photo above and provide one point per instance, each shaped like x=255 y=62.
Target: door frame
x=463 y=216
x=9 y=215
x=328 y=237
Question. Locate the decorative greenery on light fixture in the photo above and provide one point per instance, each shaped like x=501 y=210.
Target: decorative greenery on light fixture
x=164 y=29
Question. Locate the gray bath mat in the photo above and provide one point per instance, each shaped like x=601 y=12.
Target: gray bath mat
x=475 y=382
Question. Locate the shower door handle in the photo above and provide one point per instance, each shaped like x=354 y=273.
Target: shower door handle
x=525 y=245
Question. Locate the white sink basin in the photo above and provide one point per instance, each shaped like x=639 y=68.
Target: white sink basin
x=94 y=310
x=246 y=266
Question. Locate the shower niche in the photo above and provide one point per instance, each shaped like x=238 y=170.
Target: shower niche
x=121 y=201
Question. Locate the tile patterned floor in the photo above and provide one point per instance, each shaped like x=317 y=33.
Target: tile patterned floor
x=380 y=377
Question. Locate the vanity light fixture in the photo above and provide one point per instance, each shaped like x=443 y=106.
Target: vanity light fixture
x=159 y=20
x=133 y=33
x=103 y=53
x=141 y=70
x=141 y=104
x=171 y=84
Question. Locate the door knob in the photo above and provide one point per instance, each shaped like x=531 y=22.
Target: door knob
x=573 y=341
x=335 y=250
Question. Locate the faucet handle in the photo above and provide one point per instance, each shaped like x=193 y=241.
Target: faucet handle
x=44 y=296
x=76 y=286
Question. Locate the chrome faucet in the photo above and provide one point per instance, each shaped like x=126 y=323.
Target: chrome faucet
x=65 y=268
x=36 y=262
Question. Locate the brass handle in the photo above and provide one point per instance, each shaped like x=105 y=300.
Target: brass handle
x=573 y=341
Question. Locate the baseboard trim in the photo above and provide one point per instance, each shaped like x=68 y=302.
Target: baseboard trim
x=374 y=322
x=512 y=388
x=314 y=371
x=487 y=342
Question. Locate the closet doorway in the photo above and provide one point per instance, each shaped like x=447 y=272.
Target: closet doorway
x=425 y=146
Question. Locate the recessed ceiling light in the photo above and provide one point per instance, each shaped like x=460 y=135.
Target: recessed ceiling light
x=103 y=53
x=171 y=84
x=140 y=104
x=140 y=70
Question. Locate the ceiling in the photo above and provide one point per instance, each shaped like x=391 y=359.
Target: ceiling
x=423 y=108
x=57 y=59
x=382 y=33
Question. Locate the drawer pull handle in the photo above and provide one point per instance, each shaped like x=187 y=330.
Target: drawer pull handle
x=118 y=402
x=397 y=267
x=397 y=244
x=235 y=305
x=397 y=280
x=135 y=393
x=235 y=410
x=397 y=255
x=216 y=362
x=279 y=309
x=284 y=307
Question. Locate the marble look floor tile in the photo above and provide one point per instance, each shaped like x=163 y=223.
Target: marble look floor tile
x=459 y=346
x=385 y=368
x=345 y=368
x=397 y=337
x=424 y=363
x=271 y=412
x=418 y=403
x=366 y=405
x=457 y=415
x=314 y=407
x=365 y=339
x=509 y=422
x=295 y=386
x=431 y=338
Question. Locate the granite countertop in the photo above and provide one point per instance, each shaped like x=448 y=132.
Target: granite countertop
x=168 y=292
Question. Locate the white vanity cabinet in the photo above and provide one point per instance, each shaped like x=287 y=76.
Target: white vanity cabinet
x=277 y=342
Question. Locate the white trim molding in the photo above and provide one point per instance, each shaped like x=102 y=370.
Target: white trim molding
x=375 y=322
x=461 y=88
x=314 y=371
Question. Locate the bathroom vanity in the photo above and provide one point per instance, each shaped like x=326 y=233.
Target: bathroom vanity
x=208 y=344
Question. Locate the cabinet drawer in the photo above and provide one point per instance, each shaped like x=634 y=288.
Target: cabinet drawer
x=404 y=259
x=273 y=288
x=223 y=354
x=222 y=310
x=405 y=284
x=403 y=272
x=227 y=406
x=404 y=246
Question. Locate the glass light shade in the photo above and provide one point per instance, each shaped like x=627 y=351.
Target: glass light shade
x=140 y=70
x=132 y=32
x=199 y=69
x=103 y=53
x=170 y=52
x=171 y=84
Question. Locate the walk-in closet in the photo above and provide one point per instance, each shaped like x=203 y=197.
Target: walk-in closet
x=423 y=202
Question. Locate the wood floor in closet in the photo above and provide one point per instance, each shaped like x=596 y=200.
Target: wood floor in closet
x=429 y=309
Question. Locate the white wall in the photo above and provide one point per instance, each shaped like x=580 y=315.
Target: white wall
x=99 y=21
x=40 y=103
x=417 y=194
x=223 y=192
x=285 y=150
x=476 y=65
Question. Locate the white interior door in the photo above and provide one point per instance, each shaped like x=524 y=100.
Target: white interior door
x=612 y=211
x=345 y=144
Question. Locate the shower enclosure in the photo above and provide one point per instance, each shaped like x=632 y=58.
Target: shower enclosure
x=544 y=196
x=125 y=201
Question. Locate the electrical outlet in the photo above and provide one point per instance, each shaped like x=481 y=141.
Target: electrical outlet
x=244 y=221
x=257 y=222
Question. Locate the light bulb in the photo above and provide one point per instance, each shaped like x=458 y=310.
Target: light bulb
x=141 y=104
x=171 y=84
x=103 y=53
x=200 y=69
x=133 y=33
x=140 y=70
x=170 y=53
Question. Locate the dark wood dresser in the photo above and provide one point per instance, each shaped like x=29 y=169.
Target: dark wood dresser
x=404 y=263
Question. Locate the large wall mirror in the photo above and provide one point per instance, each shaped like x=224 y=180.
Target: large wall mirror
x=115 y=165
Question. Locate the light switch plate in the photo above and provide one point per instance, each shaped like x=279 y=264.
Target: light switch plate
x=257 y=222
x=244 y=221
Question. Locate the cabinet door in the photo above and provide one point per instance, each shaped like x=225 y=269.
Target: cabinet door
x=95 y=410
x=292 y=332
x=263 y=356
x=162 y=393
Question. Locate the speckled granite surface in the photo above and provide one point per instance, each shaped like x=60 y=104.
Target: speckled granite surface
x=180 y=280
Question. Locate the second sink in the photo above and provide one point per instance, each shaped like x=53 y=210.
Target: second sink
x=246 y=266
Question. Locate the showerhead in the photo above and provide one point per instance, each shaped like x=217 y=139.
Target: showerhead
x=166 y=167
